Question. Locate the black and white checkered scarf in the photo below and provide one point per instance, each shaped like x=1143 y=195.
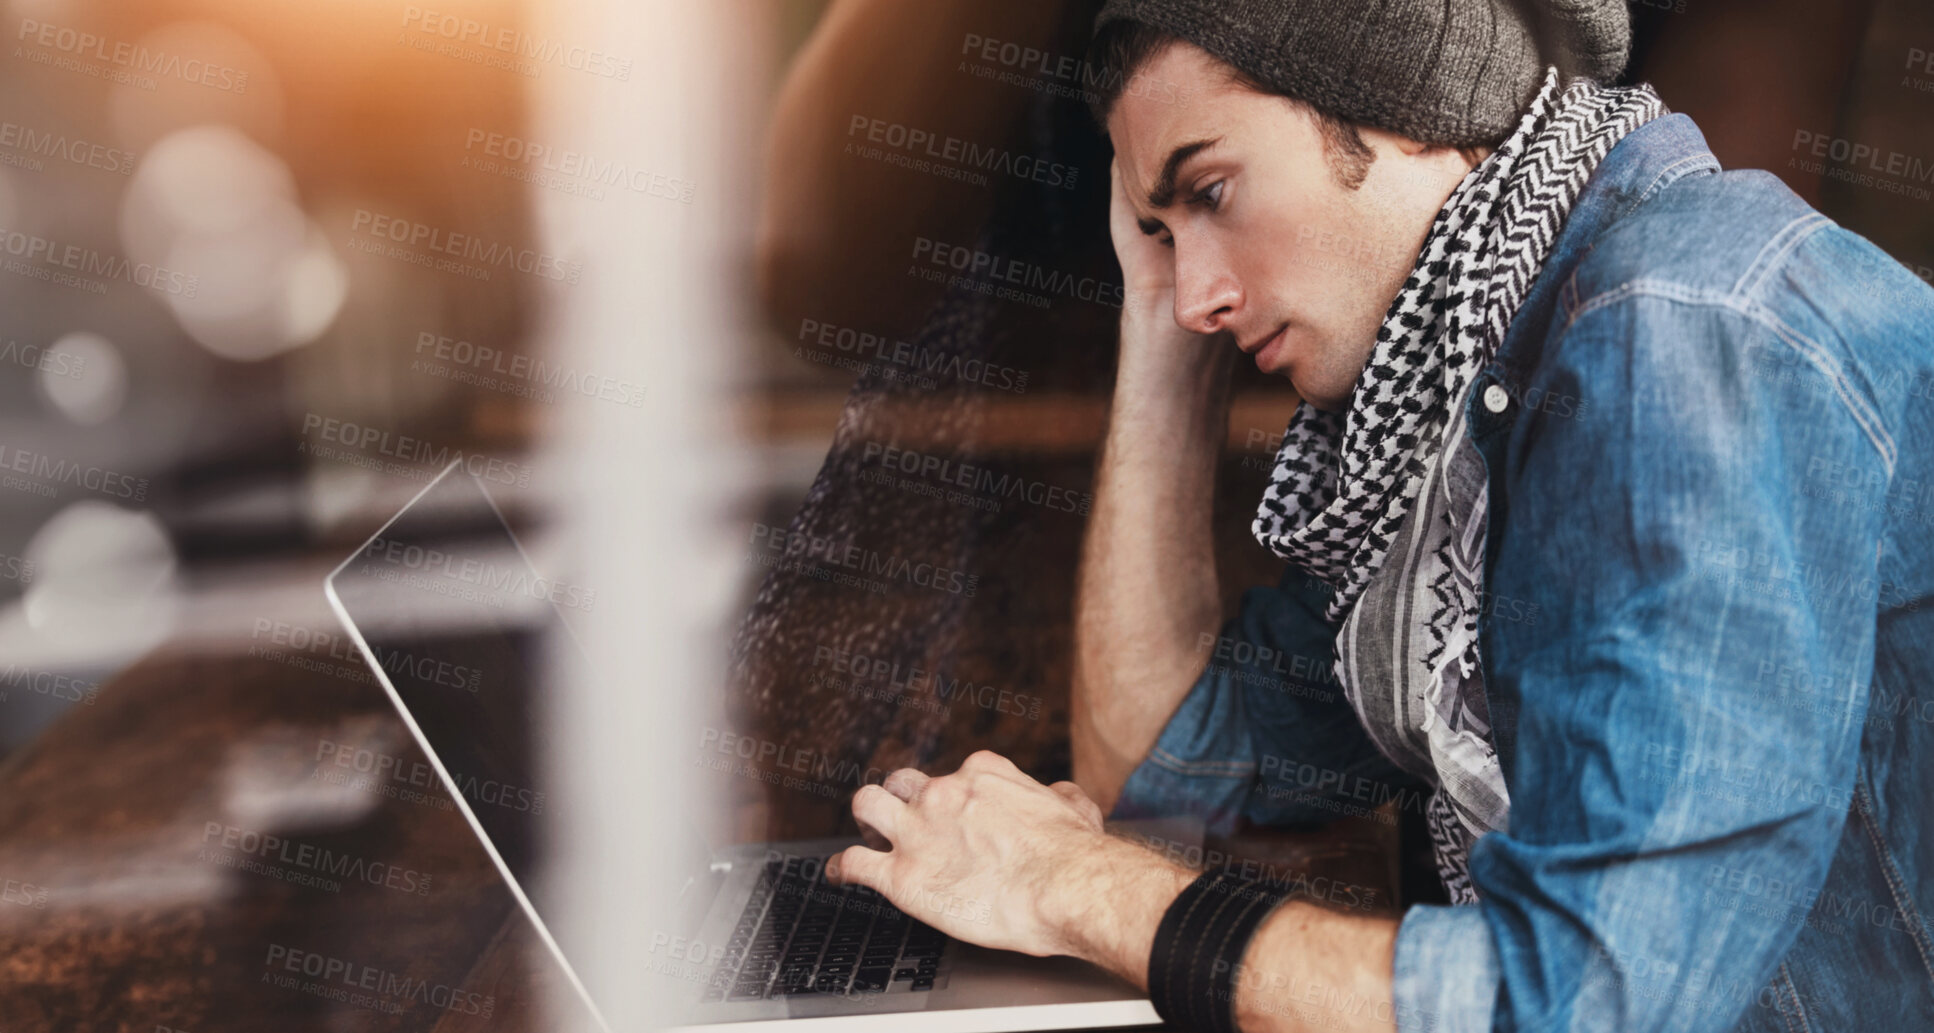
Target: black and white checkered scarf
x=1343 y=481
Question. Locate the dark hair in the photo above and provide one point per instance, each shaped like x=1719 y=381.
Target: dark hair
x=1122 y=47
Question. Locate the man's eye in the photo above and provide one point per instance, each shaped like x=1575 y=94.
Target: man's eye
x=1166 y=241
x=1209 y=197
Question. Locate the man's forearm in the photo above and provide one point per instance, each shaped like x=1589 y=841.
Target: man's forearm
x=1311 y=968
x=1148 y=588
x=1308 y=968
x=1112 y=900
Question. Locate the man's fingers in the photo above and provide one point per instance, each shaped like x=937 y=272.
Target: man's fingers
x=857 y=864
x=906 y=783
x=876 y=809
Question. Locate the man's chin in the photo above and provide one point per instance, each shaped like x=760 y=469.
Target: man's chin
x=1321 y=401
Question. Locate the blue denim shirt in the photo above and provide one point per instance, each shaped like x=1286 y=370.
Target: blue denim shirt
x=1708 y=637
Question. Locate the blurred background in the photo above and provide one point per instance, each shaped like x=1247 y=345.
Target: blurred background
x=662 y=280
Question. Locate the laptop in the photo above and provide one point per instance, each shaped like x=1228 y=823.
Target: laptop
x=462 y=630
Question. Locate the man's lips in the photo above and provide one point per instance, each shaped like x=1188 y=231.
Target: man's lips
x=1259 y=347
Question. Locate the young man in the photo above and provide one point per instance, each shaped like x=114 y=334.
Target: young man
x=1609 y=506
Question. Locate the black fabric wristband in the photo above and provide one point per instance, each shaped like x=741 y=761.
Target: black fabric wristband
x=1199 y=946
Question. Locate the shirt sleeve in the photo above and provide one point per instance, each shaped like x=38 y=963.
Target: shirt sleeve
x=1266 y=734
x=1685 y=718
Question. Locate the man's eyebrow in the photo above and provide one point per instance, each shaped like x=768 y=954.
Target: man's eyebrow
x=1162 y=194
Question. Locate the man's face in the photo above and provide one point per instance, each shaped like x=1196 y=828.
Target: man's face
x=1266 y=242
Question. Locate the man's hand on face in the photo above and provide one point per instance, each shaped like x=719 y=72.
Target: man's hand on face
x=1147 y=268
x=1155 y=349
x=981 y=854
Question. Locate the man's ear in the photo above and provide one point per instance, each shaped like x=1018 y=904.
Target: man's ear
x=1383 y=141
x=1396 y=142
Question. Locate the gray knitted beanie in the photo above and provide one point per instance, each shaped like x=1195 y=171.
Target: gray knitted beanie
x=1455 y=72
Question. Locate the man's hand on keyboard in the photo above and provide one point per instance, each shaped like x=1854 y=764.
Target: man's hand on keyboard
x=990 y=856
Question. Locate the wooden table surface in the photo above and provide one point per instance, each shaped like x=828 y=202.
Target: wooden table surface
x=145 y=894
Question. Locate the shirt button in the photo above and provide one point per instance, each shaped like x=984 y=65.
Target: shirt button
x=1496 y=398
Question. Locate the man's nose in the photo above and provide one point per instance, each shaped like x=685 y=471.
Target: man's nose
x=1206 y=297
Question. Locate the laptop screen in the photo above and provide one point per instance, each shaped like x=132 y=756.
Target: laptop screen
x=466 y=634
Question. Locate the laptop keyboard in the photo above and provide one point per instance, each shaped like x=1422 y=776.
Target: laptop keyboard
x=801 y=935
